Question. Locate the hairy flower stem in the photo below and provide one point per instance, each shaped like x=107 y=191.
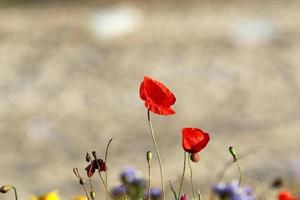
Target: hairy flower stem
x=106 y=176
x=149 y=179
x=158 y=155
x=235 y=160
x=240 y=172
x=92 y=188
x=172 y=189
x=191 y=173
x=86 y=192
x=105 y=186
x=15 y=190
x=183 y=172
x=99 y=172
x=199 y=195
x=81 y=181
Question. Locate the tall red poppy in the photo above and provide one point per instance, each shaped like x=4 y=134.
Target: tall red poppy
x=285 y=195
x=158 y=98
x=194 y=140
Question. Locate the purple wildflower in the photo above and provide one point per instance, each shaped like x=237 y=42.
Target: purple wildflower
x=233 y=191
x=155 y=194
x=128 y=175
x=119 y=191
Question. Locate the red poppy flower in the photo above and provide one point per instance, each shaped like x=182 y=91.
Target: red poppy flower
x=285 y=195
x=91 y=168
x=194 y=140
x=158 y=98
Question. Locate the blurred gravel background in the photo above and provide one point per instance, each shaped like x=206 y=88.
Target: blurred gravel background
x=70 y=75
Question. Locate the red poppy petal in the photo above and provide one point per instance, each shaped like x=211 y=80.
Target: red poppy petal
x=143 y=94
x=285 y=195
x=103 y=166
x=158 y=98
x=194 y=139
x=90 y=170
x=158 y=109
x=202 y=144
x=158 y=92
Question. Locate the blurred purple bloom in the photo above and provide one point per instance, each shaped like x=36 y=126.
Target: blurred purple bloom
x=119 y=190
x=128 y=175
x=232 y=187
x=233 y=191
x=219 y=189
x=248 y=190
x=139 y=182
x=155 y=192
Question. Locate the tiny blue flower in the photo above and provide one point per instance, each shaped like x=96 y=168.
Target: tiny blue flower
x=119 y=190
x=128 y=175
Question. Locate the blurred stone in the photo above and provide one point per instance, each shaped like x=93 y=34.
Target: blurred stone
x=114 y=22
x=253 y=31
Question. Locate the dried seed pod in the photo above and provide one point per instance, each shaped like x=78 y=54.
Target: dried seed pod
x=233 y=153
x=194 y=157
x=5 y=188
x=81 y=182
x=149 y=156
x=94 y=154
x=277 y=183
x=93 y=194
x=88 y=157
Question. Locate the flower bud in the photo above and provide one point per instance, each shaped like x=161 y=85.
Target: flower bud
x=149 y=156
x=233 y=153
x=81 y=181
x=277 y=183
x=88 y=157
x=93 y=194
x=94 y=154
x=183 y=197
x=5 y=188
x=194 y=157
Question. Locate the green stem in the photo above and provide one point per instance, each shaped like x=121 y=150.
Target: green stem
x=199 y=195
x=183 y=172
x=172 y=189
x=105 y=186
x=191 y=172
x=16 y=194
x=149 y=179
x=235 y=160
x=158 y=155
x=240 y=172
x=81 y=181
x=106 y=175
x=86 y=192
x=92 y=189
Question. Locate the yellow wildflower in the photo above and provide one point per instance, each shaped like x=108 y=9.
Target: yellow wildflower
x=79 y=198
x=48 y=196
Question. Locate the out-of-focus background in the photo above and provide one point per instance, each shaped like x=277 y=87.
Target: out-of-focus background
x=70 y=75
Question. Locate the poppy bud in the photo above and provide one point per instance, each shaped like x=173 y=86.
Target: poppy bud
x=81 y=182
x=233 y=153
x=5 y=188
x=93 y=194
x=149 y=156
x=277 y=183
x=194 y=157
x=94 y=154
x=88 y=157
